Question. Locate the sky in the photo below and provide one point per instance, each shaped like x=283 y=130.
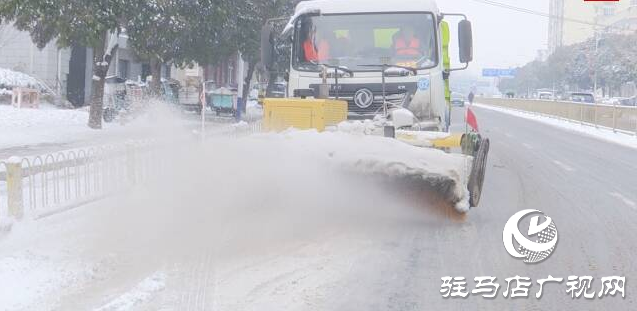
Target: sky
x=502 y=38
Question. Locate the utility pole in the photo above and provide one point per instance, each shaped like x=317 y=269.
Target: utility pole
x=59 y=77
x=596 y=62
x=239 y=78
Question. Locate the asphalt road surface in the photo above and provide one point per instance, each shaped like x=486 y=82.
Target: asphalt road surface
x=379 y=260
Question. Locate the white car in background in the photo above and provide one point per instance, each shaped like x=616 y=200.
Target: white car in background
x=546 y=96
x=621 y=101
x=582 y=97
x=457 y=99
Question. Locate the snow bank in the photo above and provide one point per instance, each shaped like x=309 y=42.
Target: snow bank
x=141 y=293
x=50 y=125
x=599 y=133
x=10 y=79
x=376 y=155
x=36 y=126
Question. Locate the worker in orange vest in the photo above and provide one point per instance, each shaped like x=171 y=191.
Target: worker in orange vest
x=406 y=44
x=315 y=47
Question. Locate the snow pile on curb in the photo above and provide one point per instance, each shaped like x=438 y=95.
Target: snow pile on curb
x=51 y=125
x=376 y=155
x=10 y=79
x=599 y=133
x=141 y=293
x=45 y=125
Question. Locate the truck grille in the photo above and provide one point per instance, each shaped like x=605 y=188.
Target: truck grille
x=395 y=95
x=375 y=108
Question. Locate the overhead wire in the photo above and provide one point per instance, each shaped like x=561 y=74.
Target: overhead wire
x=538 y=13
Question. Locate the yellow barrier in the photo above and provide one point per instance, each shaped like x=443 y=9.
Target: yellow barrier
x=283 y=113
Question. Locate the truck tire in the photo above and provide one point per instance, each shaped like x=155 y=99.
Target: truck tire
x=476 y=179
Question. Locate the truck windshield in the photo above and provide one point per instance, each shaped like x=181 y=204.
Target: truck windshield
x=406 y=39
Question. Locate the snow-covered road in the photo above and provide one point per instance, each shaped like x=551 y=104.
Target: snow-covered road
x=248 y=228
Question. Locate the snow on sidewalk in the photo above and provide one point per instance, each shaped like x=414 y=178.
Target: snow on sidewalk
x=21 y=127
x=599 y=133
x=52 y=126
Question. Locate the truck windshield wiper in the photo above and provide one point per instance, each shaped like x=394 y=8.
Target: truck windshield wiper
x=336 y=68
x=385 y=67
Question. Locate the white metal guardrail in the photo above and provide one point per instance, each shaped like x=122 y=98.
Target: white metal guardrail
x=43 y=185
x=618 y=118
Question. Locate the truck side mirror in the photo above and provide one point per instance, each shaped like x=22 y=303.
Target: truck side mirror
x=465 y=38
x=267 y=47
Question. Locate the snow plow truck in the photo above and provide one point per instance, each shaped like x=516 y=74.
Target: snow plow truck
x=379 y=68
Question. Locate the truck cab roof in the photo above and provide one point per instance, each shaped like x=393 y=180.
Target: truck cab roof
x=369 y=6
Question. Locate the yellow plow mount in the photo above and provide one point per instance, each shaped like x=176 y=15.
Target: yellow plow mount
x=282 y=113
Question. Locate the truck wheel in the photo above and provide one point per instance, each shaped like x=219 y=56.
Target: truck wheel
x=476 y=179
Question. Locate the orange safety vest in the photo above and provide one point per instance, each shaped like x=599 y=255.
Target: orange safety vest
x=311 y=53
x=403 y=49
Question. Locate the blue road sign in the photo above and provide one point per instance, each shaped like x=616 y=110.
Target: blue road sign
x=502 y=73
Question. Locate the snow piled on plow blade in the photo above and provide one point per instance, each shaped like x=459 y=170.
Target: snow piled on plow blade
x=445 y=173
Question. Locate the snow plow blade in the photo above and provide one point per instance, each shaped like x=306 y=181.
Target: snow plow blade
x=472 y=145
x=417 y=157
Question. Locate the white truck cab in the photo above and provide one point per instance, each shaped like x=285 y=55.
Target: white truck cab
x=377 y=55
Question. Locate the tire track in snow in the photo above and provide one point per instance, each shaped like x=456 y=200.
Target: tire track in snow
x=624 y=199
x=563 y=166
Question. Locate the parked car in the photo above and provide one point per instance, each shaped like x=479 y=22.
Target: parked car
x=457 y=99
x=582 y=97
x=632 y=101
x=546 y=95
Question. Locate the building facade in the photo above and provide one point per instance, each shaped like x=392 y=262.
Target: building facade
x=17 y=52
x=623 y=19
x=225 y=73
x=66 y=71
x=575 y=21
x=69 y=71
